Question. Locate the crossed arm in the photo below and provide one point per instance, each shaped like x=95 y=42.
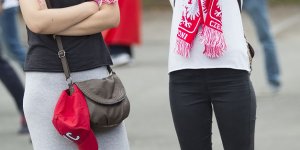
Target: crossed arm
x=82 y=19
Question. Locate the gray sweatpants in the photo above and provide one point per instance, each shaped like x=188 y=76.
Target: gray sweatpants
x=42 y=90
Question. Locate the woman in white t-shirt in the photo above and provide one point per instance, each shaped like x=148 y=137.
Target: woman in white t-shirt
x=209 y=69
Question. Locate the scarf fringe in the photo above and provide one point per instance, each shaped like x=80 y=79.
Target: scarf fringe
x=183 y=48
x=213 y=41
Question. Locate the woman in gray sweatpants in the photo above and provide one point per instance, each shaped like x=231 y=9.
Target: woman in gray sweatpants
x=79 y=23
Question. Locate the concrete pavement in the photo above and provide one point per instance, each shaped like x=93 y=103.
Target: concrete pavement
x=150 y=124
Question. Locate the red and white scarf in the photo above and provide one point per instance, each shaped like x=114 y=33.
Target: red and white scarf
x=208 y=14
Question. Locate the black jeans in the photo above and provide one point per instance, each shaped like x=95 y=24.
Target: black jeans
x=12 y=82
x=194 y=94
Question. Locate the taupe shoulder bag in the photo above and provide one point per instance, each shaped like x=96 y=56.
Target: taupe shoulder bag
x=106 y=98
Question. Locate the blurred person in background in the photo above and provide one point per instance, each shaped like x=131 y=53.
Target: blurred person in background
x=258 y=12
x=13 y=83
x=121 y=39
x=209 y=71
x=10 y=33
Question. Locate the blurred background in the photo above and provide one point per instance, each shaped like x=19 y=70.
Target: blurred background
x=150 y=125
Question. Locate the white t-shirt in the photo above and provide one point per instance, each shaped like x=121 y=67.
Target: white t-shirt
x=235 y=56
x=10 y=3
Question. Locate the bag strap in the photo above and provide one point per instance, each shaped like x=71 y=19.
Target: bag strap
x=62 y=55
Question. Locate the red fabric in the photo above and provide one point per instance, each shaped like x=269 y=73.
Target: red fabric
x=208 y=14
x=128 y=31
x=72 y=120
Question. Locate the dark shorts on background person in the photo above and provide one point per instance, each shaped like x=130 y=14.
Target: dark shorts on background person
x=196 y=93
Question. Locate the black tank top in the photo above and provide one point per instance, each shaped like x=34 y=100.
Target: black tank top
x=82 y=52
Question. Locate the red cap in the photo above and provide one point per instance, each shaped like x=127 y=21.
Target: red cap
x=72 y=120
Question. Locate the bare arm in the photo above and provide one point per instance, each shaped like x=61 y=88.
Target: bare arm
x=41 y=20
x=107 y=17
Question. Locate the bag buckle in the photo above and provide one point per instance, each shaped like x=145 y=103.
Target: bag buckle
x=61 y=53
x=69 y=81
x=70 y=85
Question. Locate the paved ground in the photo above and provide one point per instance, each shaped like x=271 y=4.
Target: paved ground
x=150 y=125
